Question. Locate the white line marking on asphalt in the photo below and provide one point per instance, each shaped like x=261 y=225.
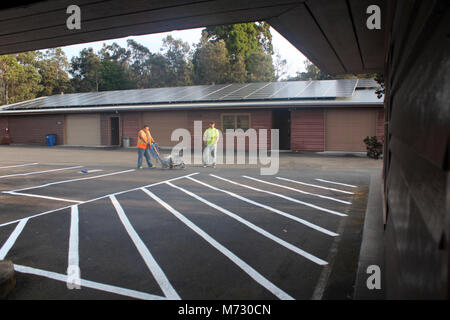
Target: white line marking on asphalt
x=282 y=213
x=91 y=171
x=230 y=255
x=99 y=198
x=12 y=238
x=74 y=180
x=39 y=196
x=282 y=196
x=338 y=183
x=73 y=267
x=20 y=165
x=315 y=185
x=89 y=284
x=38 y=172
x=254 y=227
x=151 y=263
x=297 y=190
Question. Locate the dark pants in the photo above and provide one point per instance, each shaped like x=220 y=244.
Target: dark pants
x=146 y=153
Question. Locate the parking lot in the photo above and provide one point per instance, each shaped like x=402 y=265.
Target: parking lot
x=198 y=233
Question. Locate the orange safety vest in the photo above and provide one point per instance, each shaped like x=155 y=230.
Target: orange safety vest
x=144 y=139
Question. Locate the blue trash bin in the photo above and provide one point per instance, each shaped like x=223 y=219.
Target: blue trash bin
x=51 y=139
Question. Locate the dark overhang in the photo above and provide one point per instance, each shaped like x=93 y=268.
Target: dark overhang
x=331 y=33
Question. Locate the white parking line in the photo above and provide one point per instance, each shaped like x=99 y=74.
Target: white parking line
x=338 y=183
x=282 y=213
x=88 y=283
x=261 y=231
x=95 y=199
x=151 y=263
x=230 y=255
x=73 y=261
x=39 y=196
x=297 y=190
x=20 y=165
x=282 y=196
x=38 y=172
x=315 y=185
x=12 y=238
x=74 y=180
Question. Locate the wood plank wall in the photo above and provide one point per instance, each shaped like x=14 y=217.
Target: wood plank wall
x=417 y=231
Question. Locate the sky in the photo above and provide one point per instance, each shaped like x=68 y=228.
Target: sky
x=295 y=59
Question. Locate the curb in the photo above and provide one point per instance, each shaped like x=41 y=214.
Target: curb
x=7 y=278
x=372 y=248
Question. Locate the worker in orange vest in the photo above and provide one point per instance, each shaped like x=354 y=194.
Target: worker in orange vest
x=144 y=144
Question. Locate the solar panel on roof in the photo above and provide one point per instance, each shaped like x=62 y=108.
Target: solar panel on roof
x=301 y=90
x=290 y=90
x=367 y=83
x=242 y=92
x=266 y=91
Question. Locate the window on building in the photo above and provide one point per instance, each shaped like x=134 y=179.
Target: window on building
x=235 y=121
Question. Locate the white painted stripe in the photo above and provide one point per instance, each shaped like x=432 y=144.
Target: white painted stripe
x=299 y=191
x=315 y=185
x=20 y=165
x=254 y=227
x=151 y=263
x=40 y=196
x=91 y=171
x=12 y=239
x=99 y=198
x=282 y=196
x=338 y=183
x=230 y=255
x=88 y=283
x=73 y=264
x=73 y=258
x=74 y=180
x=38 y=172
x=282 y=213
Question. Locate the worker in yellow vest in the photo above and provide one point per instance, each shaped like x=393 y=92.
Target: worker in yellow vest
x=144 y=144
x=211 y=137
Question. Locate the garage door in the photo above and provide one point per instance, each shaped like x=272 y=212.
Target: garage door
x=162 y=124
x=345 y=129
x=83 y=130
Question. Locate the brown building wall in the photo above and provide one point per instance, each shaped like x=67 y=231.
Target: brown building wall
x=33 y=129
x=4 y=123
x=162 y=123
x=307 y=130
x=380 y=125
x=417 y=162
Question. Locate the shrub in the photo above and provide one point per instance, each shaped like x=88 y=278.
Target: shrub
x=374 y=147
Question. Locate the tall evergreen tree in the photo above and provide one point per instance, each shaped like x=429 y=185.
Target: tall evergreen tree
x=53 y=67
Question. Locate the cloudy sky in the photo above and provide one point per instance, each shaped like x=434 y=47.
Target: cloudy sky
x=287 y=51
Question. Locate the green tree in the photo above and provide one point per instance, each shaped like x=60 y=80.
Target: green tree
x=312 y=73
x=140 y=64
x=178 y=55
x=248 y=43
x=115 y=70
x=19 y=77
x=53 y=67
x=211 y=63
x=85 y=71
x=242 y=39
x=260 y=67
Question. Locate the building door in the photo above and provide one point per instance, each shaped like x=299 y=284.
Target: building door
x=115 y=132
x=83 y=130
x=281 y=120
x=345 y=129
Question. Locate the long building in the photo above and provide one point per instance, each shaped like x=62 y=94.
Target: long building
x=326 y=115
